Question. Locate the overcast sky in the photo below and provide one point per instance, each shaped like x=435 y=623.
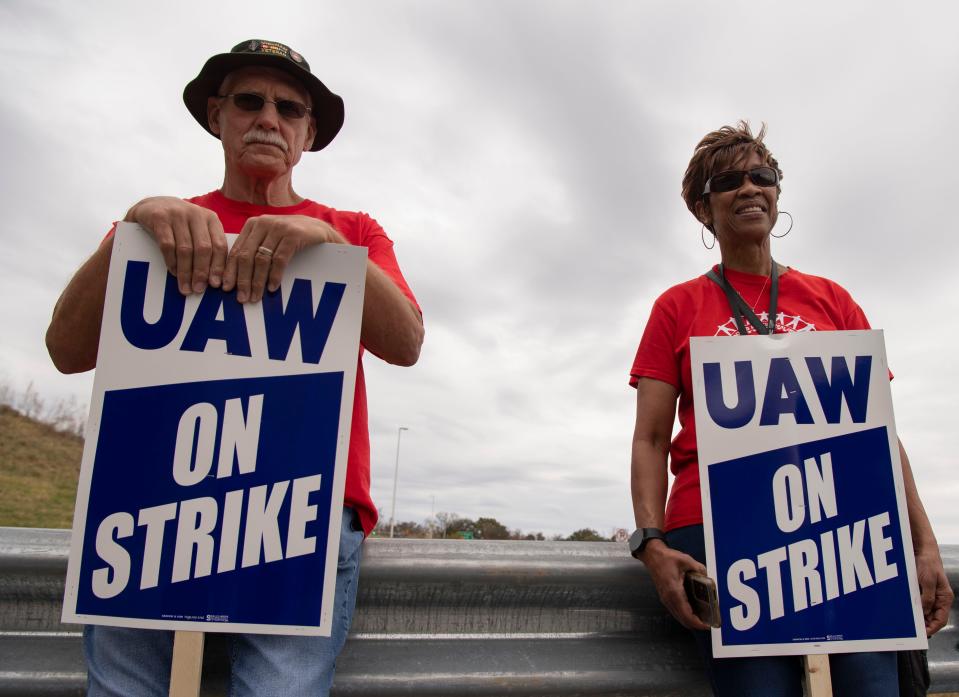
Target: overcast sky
x=526 y=158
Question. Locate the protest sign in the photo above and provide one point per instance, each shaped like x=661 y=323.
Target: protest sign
x=804 y=508
x=211 y=486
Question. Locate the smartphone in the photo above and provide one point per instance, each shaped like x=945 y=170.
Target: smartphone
x=701 y=592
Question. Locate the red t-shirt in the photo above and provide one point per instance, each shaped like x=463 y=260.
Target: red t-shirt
x=699 y=308
x=361 y=230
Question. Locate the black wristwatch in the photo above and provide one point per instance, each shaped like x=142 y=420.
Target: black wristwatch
x=639 y=539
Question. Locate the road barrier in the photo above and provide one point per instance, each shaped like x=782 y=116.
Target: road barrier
x=434 y=617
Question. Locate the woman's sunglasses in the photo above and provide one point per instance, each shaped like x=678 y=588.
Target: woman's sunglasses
x=732 y=179
x=287 y=108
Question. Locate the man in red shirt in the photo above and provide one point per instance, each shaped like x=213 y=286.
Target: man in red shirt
x=267 y=108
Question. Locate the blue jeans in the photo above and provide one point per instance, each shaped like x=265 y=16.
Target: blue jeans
x=853 y=674
x=123 y=662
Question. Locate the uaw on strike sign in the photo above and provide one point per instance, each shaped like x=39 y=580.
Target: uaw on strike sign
x=804 y=508
x=211 y=486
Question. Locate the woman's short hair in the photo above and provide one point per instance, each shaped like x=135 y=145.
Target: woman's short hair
x=721 y=150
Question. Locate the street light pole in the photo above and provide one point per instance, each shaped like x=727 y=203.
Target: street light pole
x=396 y=474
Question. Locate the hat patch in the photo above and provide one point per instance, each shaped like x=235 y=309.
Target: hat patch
x=272 y=48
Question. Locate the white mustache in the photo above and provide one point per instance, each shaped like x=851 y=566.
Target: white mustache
x=260 y=135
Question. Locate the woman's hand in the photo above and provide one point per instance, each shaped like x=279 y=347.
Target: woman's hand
x=934 y=590
x=668 y=568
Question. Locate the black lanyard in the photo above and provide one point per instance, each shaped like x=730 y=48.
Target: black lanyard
x=741 y=309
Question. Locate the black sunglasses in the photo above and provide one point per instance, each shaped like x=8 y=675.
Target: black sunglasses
x=287 y=108
x=732 y=179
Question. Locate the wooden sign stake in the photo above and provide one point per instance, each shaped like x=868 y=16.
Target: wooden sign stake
x=187 y=666
x=818 y=681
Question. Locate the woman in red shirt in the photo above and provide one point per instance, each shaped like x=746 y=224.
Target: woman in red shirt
x=732 y=187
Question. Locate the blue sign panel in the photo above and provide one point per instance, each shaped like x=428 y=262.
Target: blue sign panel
x=254 y=459
x=837 y=560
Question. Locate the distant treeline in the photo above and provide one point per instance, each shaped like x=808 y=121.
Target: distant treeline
x=452 y=526
x=65 y=415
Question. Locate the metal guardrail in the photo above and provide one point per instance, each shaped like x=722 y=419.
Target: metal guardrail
x=434 y=617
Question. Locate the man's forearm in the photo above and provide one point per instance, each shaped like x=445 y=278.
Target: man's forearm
x=392 y=326
x=73 y=336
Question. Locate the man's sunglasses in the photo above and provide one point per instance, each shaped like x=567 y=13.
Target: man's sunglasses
x=287 y=108
x=732 y=179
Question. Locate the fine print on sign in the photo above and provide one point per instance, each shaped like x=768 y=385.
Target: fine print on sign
x=212 y=480
x=804 y=507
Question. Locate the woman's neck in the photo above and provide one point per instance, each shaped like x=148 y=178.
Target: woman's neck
x=748 y=258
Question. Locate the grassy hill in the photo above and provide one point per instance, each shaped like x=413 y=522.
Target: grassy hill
x=38 y=472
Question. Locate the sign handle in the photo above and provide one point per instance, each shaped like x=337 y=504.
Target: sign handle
x=187 y=666
x=818 y=681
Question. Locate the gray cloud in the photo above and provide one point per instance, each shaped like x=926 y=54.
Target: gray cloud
x=526 y=157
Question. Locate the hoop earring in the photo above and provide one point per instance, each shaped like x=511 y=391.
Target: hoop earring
x=788 y=229
x=702 y=236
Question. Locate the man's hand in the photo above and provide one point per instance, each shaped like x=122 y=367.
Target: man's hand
x=265 y=246
x=668 y=567
x=190 y=238
x=935 y=591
